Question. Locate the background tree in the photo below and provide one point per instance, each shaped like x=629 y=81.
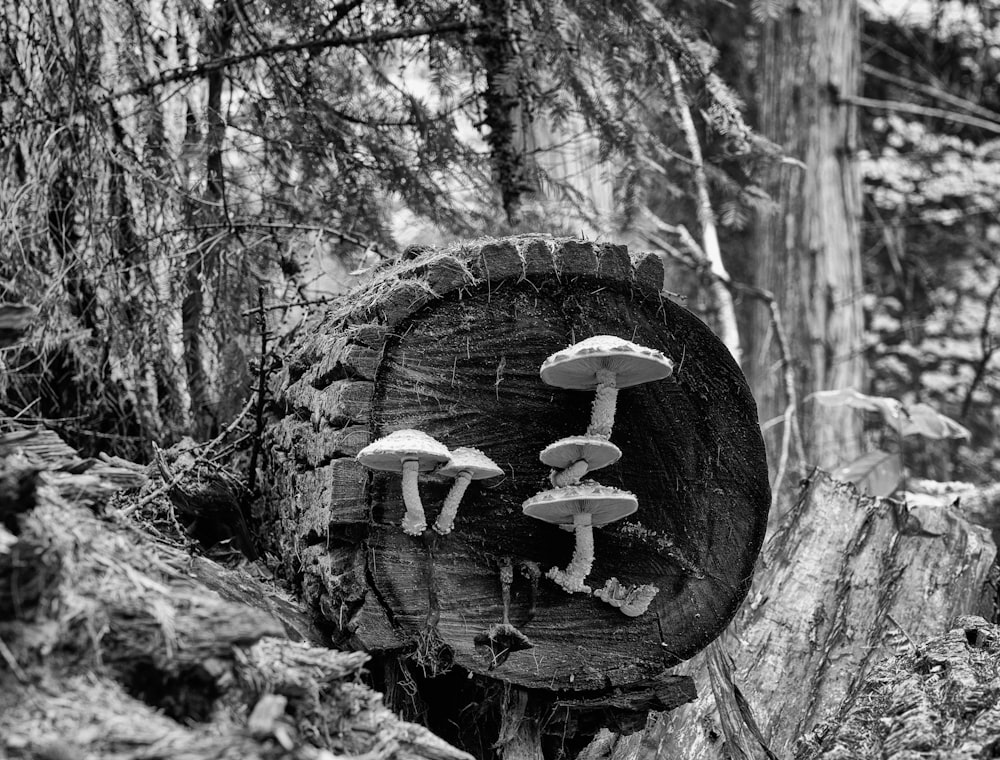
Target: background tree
x=807 y=251
x=169 y=159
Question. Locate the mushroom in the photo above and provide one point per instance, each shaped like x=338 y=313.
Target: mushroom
x=579 y=508
x=630 y=600
x=576 y=456
x=605 y=363
x=408 y=452
x=465 y=465
x=503 y=639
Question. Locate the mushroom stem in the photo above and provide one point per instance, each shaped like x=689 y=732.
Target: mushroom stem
x=571 y=475
x=414 y=522
x=576 y=572
x=602 y=413
x=506 y=581
x=446 y=520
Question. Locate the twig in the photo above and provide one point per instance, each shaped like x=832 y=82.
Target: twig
x=289 y=305
x=989 y=346
x=245 y=224
x=12 y=663
x=931 y=91
x=202 y=457
x=934 y=113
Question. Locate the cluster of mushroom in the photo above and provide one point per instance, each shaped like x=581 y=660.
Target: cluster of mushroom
x=604 y=364
x=412 y=452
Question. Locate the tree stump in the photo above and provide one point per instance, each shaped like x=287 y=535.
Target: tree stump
x=846 y=580
x=450 y=342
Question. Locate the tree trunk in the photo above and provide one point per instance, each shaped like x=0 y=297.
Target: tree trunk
x=451 y=343
x=202 y=260
x=807 y=253
x=504 y=112
x=846 y=581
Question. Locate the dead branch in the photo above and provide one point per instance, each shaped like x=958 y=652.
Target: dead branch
x=203 y=456
x=706 y=218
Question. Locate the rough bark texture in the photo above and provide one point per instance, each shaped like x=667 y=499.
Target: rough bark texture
x=807 y=253
x=845 y=581
x=939 y=699
x=116 y=645
x=451 y=343
x=504 y=112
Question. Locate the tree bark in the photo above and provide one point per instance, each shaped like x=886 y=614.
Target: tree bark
x=504 y=112
x=807 y=253
x=202 y=260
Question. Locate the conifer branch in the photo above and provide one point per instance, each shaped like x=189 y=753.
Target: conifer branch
x=184 y=73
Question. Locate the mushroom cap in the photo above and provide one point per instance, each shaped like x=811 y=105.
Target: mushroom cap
x=472 y=461
x=576 y=367
x=596 y=452
x=604 y=504
x=389 y=452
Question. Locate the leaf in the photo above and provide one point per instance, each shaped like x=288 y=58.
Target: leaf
x=889 y=408
x=925 y=420
x=878 y=473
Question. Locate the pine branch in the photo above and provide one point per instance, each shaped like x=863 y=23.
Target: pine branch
x=184 y=73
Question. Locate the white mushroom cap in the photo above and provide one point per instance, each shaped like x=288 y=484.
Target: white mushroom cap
x=559 y=505
x=390 y=452
x=596 y=452
x=472 y=461
x=576 y=367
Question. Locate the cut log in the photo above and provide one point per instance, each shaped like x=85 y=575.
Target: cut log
x=451 y=342
x=846 y=581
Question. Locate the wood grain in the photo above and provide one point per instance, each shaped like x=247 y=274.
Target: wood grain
x=458 y=338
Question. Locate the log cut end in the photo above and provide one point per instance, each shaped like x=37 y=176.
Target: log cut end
x=451 y=343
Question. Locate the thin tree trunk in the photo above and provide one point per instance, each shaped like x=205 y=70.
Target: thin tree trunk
x=504 y=113
x=202 y=261
x=807 y=253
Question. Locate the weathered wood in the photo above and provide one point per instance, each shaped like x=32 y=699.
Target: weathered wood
x=940 y=698
x=133 y=648
x=979 y=504
x=845 y=580
x=460 y=336
x=38 y=445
